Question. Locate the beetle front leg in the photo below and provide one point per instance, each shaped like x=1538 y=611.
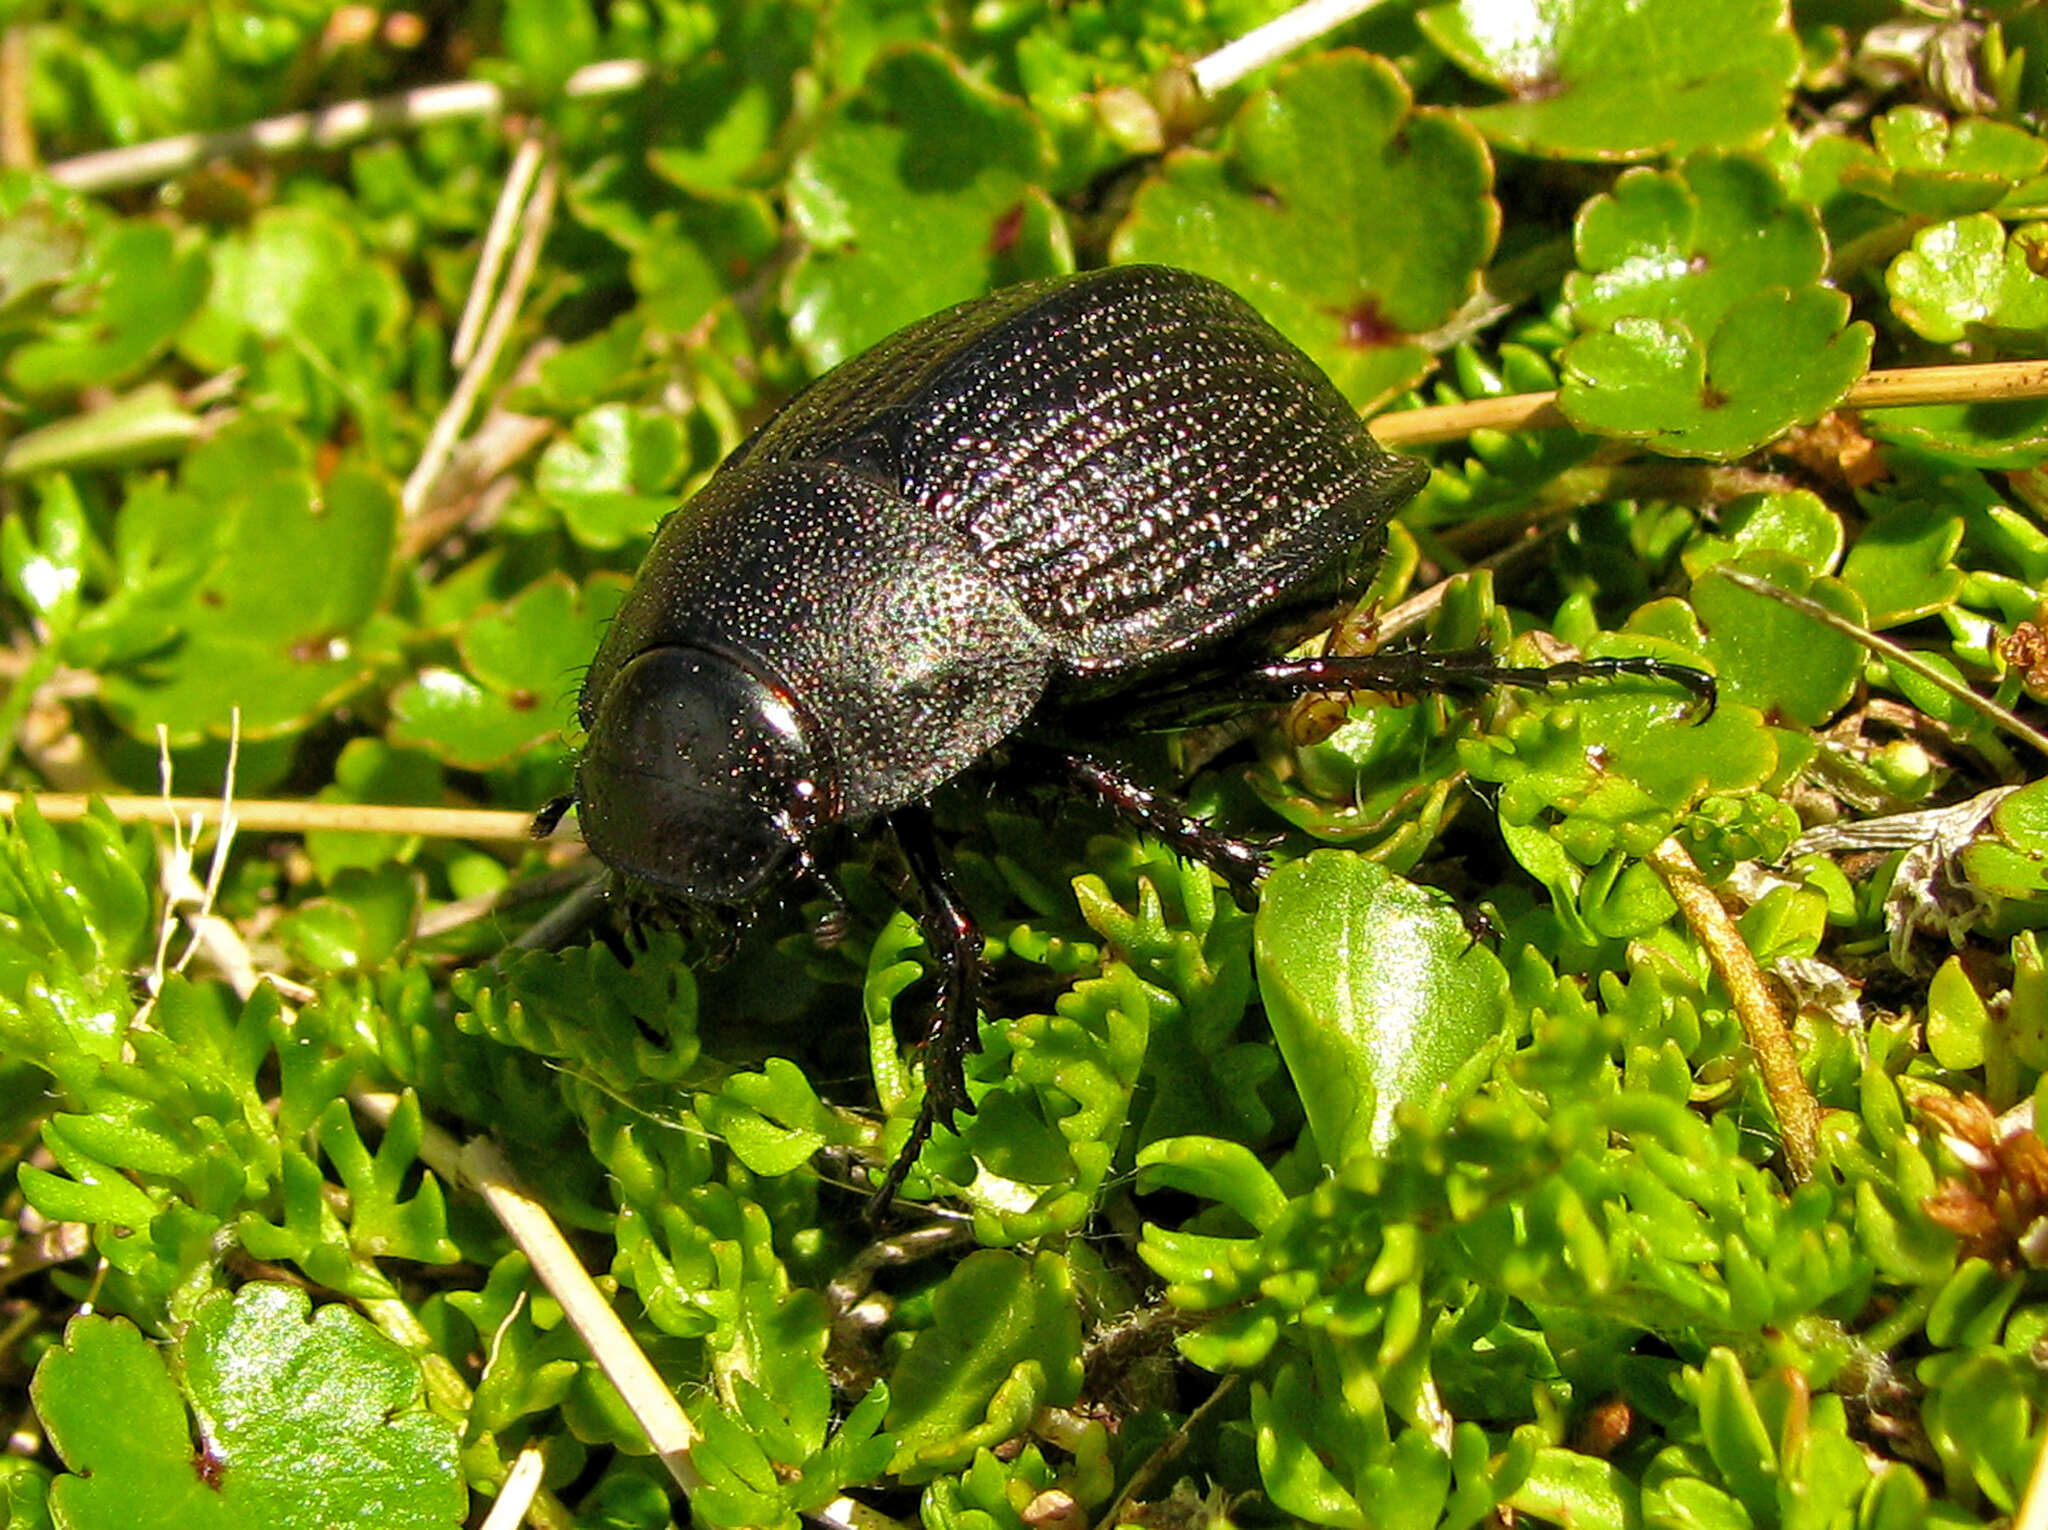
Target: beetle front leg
x=954 y=941
x=1239 y=862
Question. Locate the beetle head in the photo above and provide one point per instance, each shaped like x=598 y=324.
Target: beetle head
x=700 y=776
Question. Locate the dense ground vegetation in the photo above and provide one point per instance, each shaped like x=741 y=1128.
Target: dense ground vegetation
x=1700 y=1187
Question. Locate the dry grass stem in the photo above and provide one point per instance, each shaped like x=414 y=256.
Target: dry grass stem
x=283 y=817
x=447 y=429
x=1975 y=383
x=1763 y=1022
x=331 y=127
x=1274 y=41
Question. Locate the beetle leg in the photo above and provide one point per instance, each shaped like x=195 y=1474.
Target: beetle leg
x=954 y=941
x=550 y=816
x=1240 y=863
x=1472 y=670
x=1408 y=672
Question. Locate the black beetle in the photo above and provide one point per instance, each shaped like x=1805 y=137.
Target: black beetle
x=1025 y=511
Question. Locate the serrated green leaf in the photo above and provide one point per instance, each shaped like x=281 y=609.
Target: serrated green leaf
x=1934 y=167
x=261 y=612
x=516 y=691
x=613 y=478
x=145 y=282
x=1696 y=287
x=1754 y=640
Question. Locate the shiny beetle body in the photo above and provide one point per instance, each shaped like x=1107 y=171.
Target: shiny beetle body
x=1103 y=498
x=1054 y=493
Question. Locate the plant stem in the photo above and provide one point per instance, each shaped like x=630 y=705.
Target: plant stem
x=1893 y=654
x=331 y=127
x=284 y=817
x=1968 y=383
x=479 y=1166
x=1770 y=1041
x=1273 y=41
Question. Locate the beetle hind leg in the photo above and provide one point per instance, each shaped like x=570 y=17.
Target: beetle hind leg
x=1411 y=672
x=954 y=941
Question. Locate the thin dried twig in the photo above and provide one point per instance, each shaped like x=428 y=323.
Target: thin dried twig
x=1763 y=1022
x=515 y=1493
x=447 y=429
x=17 y=127
x=480 y=1166
x=526 y=162
x=2033 y=1514
x=473 y=482
x=282 y=817
x=1973 y=383
x=1436 y=423
x=1164 y=1454
x=217 y=866
x=331 y=127
x=1275 y=40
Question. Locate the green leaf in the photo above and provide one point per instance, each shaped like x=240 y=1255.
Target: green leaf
x=1736 y=1436
x=145 y=282
x=1005 y=1341
x=1684 y=247
x=550 y=39
x=1771 y=657
x=613 y=478
x=298 y=276
x=1609 y=773
x=1904 y=563
x=1351 y=219
x=918 y=192
x=245 y=586
x=516 y=690
x=1970 y=278
x=2008 y=434
x=1591 y=80
x=1379 y=997
x=42 y=242
x=1957 y=1022
x=1226 y=1172
x=1656 y=383
x=299 y=1425
x=146 y=425
x=117 y=1419
x=1567 y=1487
x=1937 y=168
x=747 y=76
x=1696 y=286
x=686 y=263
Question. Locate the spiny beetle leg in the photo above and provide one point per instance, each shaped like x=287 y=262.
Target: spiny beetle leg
x=1469 y=670
x=955 y=944
x=1241 y=864
x=1411 y=672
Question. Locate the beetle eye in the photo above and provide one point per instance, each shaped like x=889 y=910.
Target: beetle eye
x=697 y=777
